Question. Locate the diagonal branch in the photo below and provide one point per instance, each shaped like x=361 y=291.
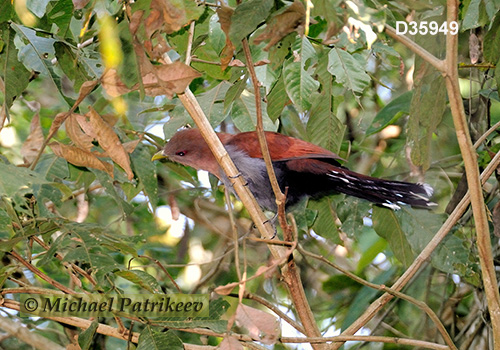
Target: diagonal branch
x=417 y=49
x=424 y=256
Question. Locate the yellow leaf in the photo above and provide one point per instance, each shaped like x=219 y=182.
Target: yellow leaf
x=111 y=48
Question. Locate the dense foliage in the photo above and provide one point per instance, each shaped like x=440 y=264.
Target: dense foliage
x=88 y=95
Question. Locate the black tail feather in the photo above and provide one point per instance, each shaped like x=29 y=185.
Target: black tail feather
x=383 y=192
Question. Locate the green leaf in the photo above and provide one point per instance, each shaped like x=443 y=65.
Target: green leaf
x=129 y=68
x=244 y=114
x=14 y=74
x=234 y=92
x=145 y=170
x=471 y=17
x=216 y=35
x=107 y=182
x=323 y=127
x=52 y=167
x=491 y=44
x=351 y=213
x=324 y=225
x=246 y=17
x=5 y=225
x=85 y=337
x=391 y=112
x=38 y=7
x=37 y=55
x=150 y=339
x=299 y=84
x=71 y=65
x=427 y=108
x=364 y=297
x=61 y=15
x=451 y=256
x=387 y=226
x=277 y=99
x=16 y=179
x=141 y=278
x=212 y=103
x=347 y=70
x=6 y=11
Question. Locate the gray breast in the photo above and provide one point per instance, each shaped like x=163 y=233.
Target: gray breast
x=254 y=172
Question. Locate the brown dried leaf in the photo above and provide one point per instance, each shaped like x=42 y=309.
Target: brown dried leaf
x=236 y=63
x=261 y=326
x=225 y=13
x=112 y=83
x=169 y=78
x=56 y=124
x=79 y=4
x=166 y=79
x=110 y=119
x=75 y=133
x=474 y=48
x=110 y=142
x=227 y=54
x=174 y=207
x=135 y=21
x=227 y=289
x=129 y=147
x=170 y=16
x=282 y=24
x=230 y=343
x=85 y=125
x=34 y=142
x=86 y=89
x=80 y=157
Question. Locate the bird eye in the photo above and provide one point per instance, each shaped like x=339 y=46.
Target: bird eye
x=181 y=153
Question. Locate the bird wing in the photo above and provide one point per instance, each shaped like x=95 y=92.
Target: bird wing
x=281 y=147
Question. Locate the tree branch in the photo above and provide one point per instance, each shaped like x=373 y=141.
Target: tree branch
x=469 y=156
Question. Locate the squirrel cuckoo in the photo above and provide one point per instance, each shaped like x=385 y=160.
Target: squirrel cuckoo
x=305 y=169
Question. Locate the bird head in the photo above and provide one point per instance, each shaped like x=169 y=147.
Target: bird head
x=188 y=147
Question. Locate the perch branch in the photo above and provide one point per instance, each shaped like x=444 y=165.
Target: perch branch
x=291 y=274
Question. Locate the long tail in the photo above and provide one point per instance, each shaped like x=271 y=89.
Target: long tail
x=383 y=192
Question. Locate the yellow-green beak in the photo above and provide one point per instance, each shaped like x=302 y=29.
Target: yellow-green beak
x=158 y=155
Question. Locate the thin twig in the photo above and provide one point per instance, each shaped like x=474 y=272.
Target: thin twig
x=41 y=274
x=190 y=43
x=276 y=310
x=368 y=338
x=159 y=264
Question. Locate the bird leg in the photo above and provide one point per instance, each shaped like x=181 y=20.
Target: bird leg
x=237 y=176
